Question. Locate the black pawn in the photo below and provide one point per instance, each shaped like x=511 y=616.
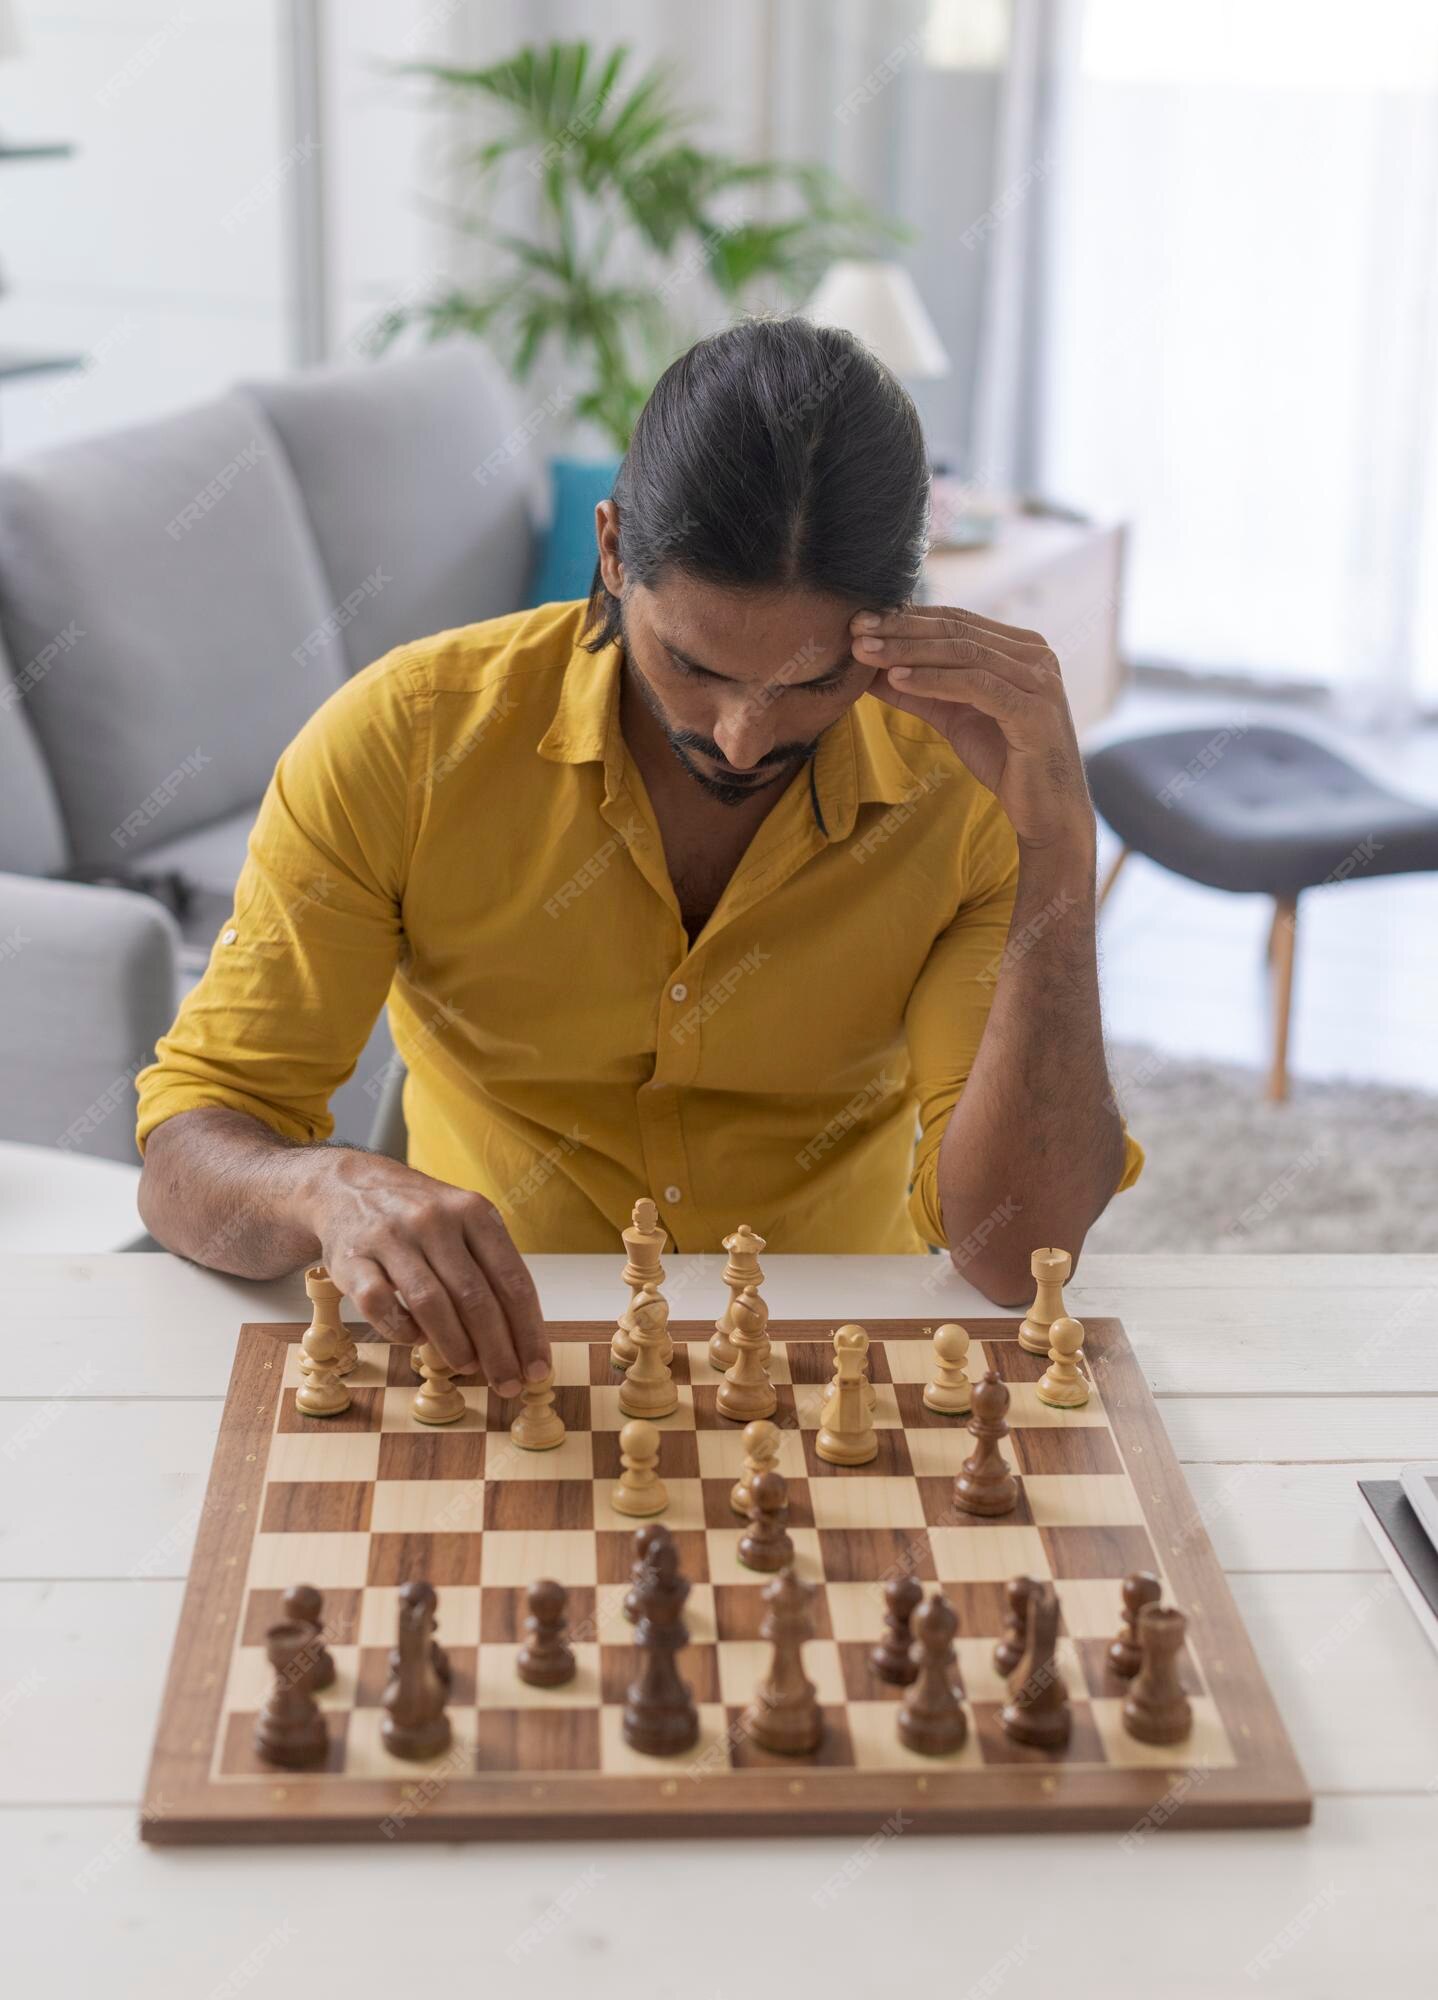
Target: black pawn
x=893 y=1658
x=1010 y=1649
x=303 y=1605
x=1124 y=1655
x=659 y=1713
x=290 y=1730
x=546 y=1659
x=766 y=1544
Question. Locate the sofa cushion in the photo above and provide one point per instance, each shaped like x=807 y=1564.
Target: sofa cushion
x=32 y=836
x=178 y=554
x=421 y=478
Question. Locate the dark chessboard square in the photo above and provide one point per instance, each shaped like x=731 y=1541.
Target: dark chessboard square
x=981 y=1608
x=739 y=1609
x=678 y=1455
x=812 y=1361
x=398 y=1373
x=1012 y=1363
x=861 y=1683
x=705 y=1397
x=835 y=1748
x=1095 y=1552
x=918 y=1417
x=1059 y=1448
x=539 y=1503
x=1103 y=1682
x=1085 y=1745
x=873 y=1555
x=619 y=1666
x=893 y=1461
x=503 y=1609
x=614 y=1553
x=264 y=1608
x=240 y=1759
x=942 y=1510
x=436 y=1559
x=317 y=1506
x=570 y=1400
x=373 y=1675
x=604 y=1374
x=537 y=1739
x=436 y=1454
x=363 y=1414
x=719 y=1514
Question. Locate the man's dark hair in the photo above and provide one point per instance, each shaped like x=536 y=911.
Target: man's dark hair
x=777 y=452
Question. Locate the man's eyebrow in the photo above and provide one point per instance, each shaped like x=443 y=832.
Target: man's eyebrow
x=841 y=665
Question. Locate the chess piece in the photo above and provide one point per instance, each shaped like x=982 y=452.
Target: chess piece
x=931 y=1718
x=1052 y=1270
x=1139 y=1589
x=414 y=1354
x=1063 y=1386
x=303 y=1605
x=985 y=1484
x=546 y=1659
x=644 y=1242
x=784 y=1715
x=539 y=1426
x=950 y=1393
x=648 y=1388
x=659 y=1713
x=324 y=1296
x=640 y=1490
x=846 y=1436
x=893 y=1658
x=423 y=1594
x=767 y=1545
x=322 y=1393
x=1010 y=1649
x=437 y=1400
x=415 y=1724
x=746 y=1391
x=1157 y=1709
x=740 y=1273
x=1037 y=1711
x=290 y=1729
x=762 y=1442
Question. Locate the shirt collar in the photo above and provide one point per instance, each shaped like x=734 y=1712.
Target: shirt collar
x=858 y=762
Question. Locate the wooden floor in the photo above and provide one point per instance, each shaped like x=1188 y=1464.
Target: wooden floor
x=1184 y=967
x=1280 y=1382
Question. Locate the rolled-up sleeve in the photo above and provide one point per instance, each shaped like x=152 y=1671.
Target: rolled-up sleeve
x=298 y=974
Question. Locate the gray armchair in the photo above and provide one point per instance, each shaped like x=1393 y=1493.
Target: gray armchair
x=175 y=600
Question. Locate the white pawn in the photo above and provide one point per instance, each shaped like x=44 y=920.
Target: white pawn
x=437 y=1401
x=746 y=1391
x=322 y=1393
x=648 y=1387
x=640 y=1490
x=951 y=1392
x=1063 y=1386
x=539 y=1426
x=761 y=1454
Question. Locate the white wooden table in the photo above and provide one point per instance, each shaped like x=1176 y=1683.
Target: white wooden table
x=56 y=1200
x=1281 y=1381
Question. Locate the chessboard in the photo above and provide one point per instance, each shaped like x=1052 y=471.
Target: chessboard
x=361 y=1503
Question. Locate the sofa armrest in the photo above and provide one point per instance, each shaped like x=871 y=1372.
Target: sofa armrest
x=87 y=987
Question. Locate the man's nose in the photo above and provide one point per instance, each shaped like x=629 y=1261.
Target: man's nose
x=745 y=733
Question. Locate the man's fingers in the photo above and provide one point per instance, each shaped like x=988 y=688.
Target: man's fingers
x=366 y=1286
x=991 y=692
x=428 y=1303
x=949 y=647
x=489 y=1242
x=912 y=620
x=473 y=1298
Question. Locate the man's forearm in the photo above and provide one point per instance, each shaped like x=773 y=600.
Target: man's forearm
x=1034 y=1147
x=223 y=1189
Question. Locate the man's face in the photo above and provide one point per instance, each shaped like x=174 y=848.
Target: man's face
x=742 y=682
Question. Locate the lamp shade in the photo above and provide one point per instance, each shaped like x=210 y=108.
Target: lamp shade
x=10 y=41
x=880 y=303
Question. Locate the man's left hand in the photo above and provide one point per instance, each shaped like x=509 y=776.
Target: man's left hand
x=996 y=694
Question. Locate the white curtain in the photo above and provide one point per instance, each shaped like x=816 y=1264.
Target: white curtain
x=1240 y=349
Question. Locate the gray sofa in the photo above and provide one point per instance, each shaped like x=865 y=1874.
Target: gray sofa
x=175 y=600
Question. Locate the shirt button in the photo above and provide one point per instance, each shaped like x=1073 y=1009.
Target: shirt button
x=228 y=937
x=679 y=991
x=672 y=1194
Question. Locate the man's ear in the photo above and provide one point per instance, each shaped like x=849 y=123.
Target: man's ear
x=606 y=534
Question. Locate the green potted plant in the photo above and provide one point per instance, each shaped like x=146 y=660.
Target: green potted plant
x=629 y=210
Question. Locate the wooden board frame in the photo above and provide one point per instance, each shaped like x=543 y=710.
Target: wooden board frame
x=185 y=1804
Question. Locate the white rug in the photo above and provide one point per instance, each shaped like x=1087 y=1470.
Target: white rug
x=1341 y=1166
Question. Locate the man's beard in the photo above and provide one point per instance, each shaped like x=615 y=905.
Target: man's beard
x=781 y=762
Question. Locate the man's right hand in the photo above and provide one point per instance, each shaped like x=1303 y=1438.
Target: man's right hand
x=426 y=1261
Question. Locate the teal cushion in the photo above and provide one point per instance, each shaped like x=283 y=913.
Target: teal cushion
x=567 y=556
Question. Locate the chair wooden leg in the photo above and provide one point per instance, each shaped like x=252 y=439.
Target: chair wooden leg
x=1282 y=948
x=1112 y=876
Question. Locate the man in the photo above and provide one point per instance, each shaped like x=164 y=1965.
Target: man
x=706 y=890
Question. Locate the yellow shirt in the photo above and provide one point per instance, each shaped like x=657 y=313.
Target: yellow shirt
x=461 y=828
